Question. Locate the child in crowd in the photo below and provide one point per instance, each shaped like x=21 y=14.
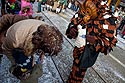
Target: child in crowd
x=26 y=8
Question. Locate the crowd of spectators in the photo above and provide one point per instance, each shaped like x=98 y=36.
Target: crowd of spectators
x=58 y=6
x=121 y=22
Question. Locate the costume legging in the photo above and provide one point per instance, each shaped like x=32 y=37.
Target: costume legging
x=77 y=74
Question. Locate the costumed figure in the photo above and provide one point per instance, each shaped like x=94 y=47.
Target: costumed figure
x=25 y=42
x=26 y=8
x=94 y=29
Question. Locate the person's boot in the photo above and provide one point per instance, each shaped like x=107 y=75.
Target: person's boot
x=2 y=11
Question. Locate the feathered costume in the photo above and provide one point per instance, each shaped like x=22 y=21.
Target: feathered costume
x=92 y=25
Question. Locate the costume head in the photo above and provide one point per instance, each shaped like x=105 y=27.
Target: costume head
x=92 y=9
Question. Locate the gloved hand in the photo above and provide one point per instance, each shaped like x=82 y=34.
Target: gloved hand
x=91 y=39
x=17 y=71
x=72 y=32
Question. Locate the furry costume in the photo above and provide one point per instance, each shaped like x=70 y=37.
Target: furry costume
x=19 y=39
x=100 y=33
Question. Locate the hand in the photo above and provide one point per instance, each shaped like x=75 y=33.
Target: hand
x=90 y=39
x=72 y=33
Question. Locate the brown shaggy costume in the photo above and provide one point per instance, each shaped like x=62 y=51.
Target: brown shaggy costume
x=52 y=39
x=26 y=37
x=100 y=39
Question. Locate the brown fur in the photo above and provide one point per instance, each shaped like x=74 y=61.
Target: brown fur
x=52 y=39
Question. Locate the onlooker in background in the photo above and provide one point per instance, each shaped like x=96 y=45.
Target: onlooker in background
x=62 y=4
x=32 y=1
x=12 y=1
x=39 y=6
x=3 y=7
x=26 y=8
x=43 y=4
x=50 y=4
x=123 y=32
x=10 y=6
x=17 y=6
x=69 y=3
x=74 y=5
x=55 y=6
x=122 y=23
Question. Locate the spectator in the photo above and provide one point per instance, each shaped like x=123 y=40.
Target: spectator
x=39 y=5
x=3 y=7
x=69 y=4
x=10 y=6
x=26 y=8
x=43 y=4
x=123 y=32
x=50 y=4
x=62 y=4
x=32 y=1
